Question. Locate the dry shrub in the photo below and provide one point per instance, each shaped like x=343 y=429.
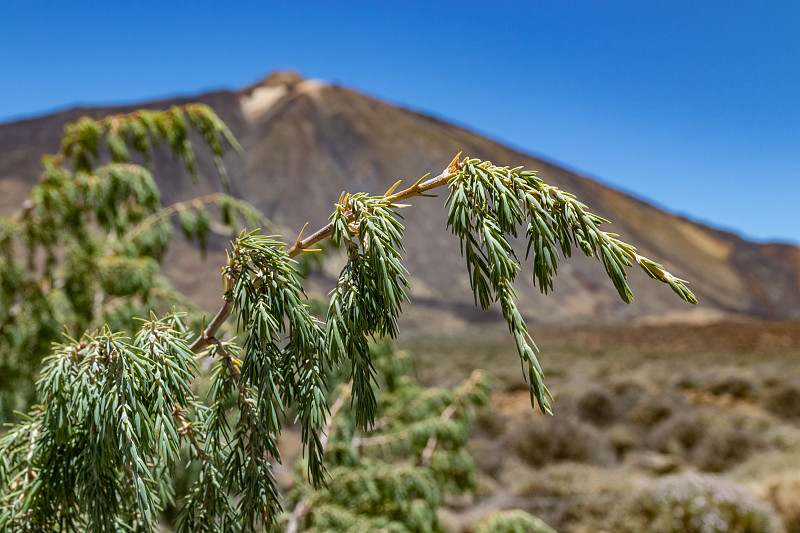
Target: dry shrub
x=734 y=382
x=628 y=393
x=568 y=480
x=573 y=496
x=736 y=385
x=723 y=449
x=490 y=422
x=653 y=410
x=782 y=398
x=783 y=492
x=624 y=438
x=774 y=462
x=678 y=435
x=562 y=438
x=711 y=440
x=694 y=503
x=596 y=406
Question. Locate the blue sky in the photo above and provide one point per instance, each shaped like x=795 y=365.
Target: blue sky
x=693 y=105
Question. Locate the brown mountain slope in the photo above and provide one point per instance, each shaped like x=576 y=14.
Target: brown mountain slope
x=306 y=141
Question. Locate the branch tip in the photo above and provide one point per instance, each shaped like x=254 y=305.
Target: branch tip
x=297 y=242
x=454 y=164
x=416 y=185
x=392 y=188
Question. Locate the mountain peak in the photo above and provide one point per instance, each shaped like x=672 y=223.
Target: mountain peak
x=258 y=99
x=286 y=79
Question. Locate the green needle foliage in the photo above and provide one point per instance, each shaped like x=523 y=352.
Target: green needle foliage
x=487 y=205
x=120 y=436
x=85 y=248
x=395 y=476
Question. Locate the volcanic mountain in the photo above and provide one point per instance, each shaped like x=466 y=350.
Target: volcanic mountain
x=306 y=141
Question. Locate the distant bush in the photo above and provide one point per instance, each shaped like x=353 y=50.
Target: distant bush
x=569 y=479
x=736 y=385
x=654 y=409
x=573 y=496
x=731 y=381
x=513 y=522
x=679 y=434
x=564 y=438
x=628 y=392
x=712 y=442
x=782 y=398
x=488 y=457
x=725 y=448
x=695 y=503
x=490 y=423
x=596 y=406
x=624 y=438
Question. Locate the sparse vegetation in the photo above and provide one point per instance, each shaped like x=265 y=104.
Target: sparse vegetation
x=695 y=504
x=685 y=420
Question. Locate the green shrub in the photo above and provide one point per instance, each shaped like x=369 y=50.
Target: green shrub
x=513 y=522
x=695 y=503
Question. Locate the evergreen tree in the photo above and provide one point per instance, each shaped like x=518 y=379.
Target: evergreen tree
x=85 y=248
x=118 y=412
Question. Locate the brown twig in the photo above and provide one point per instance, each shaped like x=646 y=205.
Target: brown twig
x=207 y=335
x=418 y=189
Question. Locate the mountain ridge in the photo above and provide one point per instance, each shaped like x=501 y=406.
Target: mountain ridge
x=306 y=141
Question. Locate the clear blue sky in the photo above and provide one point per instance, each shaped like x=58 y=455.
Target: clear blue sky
x=694 y=105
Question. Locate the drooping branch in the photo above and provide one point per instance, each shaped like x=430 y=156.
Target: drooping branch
x=304 y=245
x=556 y=218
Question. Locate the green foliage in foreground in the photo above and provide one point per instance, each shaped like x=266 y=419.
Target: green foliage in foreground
x=119 y=414
x=394 y=476
x=85 y=248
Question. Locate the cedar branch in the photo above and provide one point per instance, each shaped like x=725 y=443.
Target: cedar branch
x=301 y=245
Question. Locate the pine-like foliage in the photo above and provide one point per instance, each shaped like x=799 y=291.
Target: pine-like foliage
x=85 y=248
x=514 y=521
x=119 y=416
x=393 y=477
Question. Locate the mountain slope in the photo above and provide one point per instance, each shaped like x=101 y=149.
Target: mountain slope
x=306 y=141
